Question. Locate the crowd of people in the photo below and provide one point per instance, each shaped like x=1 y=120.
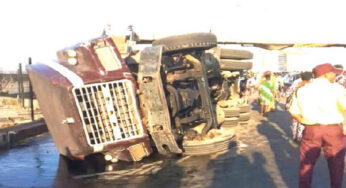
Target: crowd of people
x=316 y=100
x=269 y=86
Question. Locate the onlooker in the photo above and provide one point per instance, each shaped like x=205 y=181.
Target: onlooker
x=107 y=30
x=273 y=80
x=341 y=77
x=287 y=81
x=293 y=86
x=243 y=88
x=303 y=79
x=266 y=93
x=280 y=85
x=251 y=83
x=320 y=106
x=296 y=127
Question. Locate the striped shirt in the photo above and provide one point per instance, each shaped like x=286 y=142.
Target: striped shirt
x=266 y=90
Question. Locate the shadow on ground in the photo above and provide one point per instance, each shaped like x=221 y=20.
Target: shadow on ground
x=241 y=171
x=266 y=158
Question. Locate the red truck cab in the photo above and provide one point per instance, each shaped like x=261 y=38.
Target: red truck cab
x=88 y=98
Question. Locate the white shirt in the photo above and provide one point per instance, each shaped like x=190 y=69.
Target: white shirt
x=320 y=102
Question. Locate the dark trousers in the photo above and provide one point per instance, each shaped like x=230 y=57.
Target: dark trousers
x=331 y=140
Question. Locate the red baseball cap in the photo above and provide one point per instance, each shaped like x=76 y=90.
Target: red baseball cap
x=322 y=69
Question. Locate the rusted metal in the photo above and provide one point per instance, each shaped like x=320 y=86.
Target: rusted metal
x=203 y=87
x=94 y=95
x=268 y=46
x=179 y=84
x=84 y=66
x=156 y=111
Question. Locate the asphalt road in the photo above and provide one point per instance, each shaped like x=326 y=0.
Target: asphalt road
x=265 y=156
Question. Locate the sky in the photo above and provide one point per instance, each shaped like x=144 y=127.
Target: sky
x=39 y=28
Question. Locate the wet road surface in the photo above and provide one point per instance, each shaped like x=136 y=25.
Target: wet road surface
x=30 y=164
x=265 y=156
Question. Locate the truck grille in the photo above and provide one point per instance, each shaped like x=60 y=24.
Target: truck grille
x=108 y=112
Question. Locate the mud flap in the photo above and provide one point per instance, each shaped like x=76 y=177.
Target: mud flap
x=153 y=100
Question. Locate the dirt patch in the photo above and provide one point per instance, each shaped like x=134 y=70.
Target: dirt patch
x=11 y=113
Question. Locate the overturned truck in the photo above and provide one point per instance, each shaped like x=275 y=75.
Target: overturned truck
x=169 y=97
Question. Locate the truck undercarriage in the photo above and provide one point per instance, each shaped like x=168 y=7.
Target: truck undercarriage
x=175 y=95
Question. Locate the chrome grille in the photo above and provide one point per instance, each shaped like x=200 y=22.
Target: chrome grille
x=108 y=112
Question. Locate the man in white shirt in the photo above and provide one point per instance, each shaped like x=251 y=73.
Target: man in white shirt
x=320 y=106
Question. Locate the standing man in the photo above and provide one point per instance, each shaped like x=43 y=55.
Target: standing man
x=297 y=128
x=273 y=80
x=107 y=30
x=287 y=81
x=280 y=84
x=341 y=77
x=243 y=86
x=251 y=84
x=320 y=107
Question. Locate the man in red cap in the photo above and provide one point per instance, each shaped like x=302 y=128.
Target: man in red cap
x=320 y=107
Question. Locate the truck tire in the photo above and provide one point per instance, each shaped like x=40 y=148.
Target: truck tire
x=230 y=122
x=244 y=108
x=228 y=64
x=175 y=43
x=244 y=116
x=223 y=144
x=242 y=123
x=231 y=112
x=235 y=54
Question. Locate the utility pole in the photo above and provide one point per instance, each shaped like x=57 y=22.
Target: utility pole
x=31 y=97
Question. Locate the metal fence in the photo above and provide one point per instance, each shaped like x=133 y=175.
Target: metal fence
x=17 y=85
